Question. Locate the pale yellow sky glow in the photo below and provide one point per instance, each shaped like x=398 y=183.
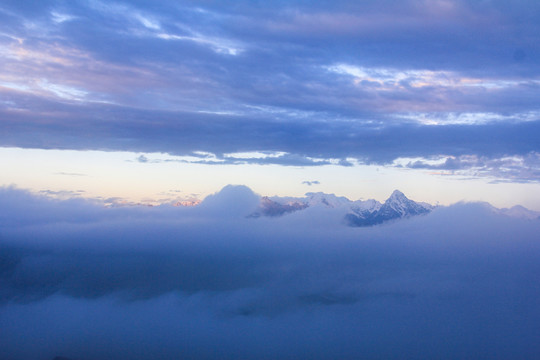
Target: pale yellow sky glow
x=166 y=178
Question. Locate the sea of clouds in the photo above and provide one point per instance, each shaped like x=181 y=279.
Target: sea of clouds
x=87 y=282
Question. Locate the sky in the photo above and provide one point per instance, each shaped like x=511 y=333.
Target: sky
x=108 y=103
x=151 y=102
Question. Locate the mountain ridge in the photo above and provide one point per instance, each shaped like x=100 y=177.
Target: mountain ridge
x=358 y=213
x=362 y=213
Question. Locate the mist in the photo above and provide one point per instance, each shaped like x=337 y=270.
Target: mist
x=83 y=281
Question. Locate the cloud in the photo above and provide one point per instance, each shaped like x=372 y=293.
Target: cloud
x=281 y=158
x=142 y=159
x=505 y=169
x=70 y=174
x=183 y=133
x=231 y=201
x=83 y=281
x=312 y=182
x=202 y=82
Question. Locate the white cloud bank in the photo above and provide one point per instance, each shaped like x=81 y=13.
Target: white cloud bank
x=87 y=282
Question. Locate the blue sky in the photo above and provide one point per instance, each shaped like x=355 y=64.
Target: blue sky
x=437 y=98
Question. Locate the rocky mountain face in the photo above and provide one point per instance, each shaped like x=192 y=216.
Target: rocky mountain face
x=270 y=207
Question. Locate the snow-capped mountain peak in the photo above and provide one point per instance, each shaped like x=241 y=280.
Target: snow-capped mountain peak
x=399 y=203
x=365 y=206
x=326 y=200
x=395 y=207
x=397 y=196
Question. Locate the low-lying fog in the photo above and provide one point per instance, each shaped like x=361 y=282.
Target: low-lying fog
x=87 y=282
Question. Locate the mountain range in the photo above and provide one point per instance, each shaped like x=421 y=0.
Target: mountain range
x=367 y=212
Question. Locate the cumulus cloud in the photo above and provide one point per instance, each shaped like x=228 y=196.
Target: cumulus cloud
x=88 y=282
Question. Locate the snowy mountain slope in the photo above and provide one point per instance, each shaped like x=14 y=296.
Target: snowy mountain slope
x=521 y=212
x=327 y=200
x=395 y=207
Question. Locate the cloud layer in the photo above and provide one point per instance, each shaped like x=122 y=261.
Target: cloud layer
x=88 y=282
x=372 y=81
